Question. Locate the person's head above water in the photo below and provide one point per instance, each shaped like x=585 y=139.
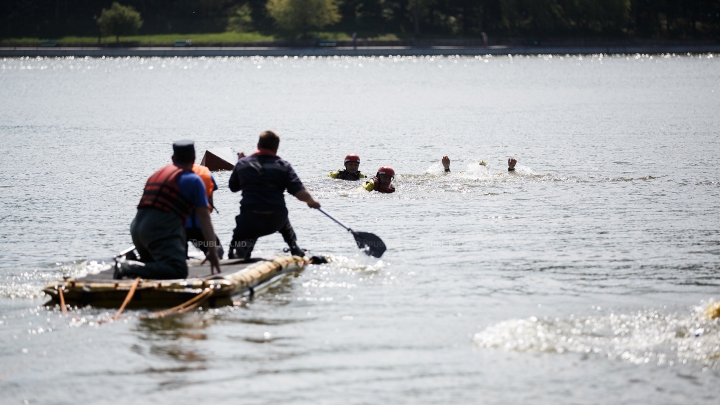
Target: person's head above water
x=511 y=164
x=385 y=175
x=269 y=140
x=184 y=152
x=352 y=163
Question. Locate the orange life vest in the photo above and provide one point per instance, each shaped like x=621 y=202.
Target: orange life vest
x=162 y=192
x=206 y=178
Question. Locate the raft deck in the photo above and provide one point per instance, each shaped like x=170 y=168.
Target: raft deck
x=238 y=278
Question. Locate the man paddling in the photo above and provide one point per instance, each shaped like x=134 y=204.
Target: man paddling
x=382 y=182
x=192 y=226
x=158 y=229
x=351 y=172
x=263 y=178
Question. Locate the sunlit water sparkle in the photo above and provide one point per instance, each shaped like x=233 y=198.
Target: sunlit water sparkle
x=580 y=278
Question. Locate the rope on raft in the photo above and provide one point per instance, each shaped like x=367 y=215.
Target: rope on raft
x=192 y=303
x=129 y=296
x=184 y=307
x=63 y=308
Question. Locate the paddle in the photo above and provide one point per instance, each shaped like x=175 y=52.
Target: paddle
x=125 y=252
x=370 y=243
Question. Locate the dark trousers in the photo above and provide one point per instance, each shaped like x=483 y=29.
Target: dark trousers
x=198 y=240
x=249 y=226
x=159 y=238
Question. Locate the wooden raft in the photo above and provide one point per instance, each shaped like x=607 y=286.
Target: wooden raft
x=238 y=278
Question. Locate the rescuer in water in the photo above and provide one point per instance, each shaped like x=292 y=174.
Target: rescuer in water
x=446 y=164
x=158 y=230
x=192 y=226
x=263 y=178
x=382 y=181
x=351 y=172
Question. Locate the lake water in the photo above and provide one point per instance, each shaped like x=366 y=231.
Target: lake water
x=580 y=278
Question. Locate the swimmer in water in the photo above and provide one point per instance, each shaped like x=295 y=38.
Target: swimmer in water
x=446 y=164
x=351 y=172
x=382 y=182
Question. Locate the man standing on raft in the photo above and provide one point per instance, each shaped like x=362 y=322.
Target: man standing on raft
x=263 y=178
x=158 y=230
x=351 y=172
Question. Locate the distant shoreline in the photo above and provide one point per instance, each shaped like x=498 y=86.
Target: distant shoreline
x=191 y=51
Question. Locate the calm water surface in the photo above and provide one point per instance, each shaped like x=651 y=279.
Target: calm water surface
x=578 y=279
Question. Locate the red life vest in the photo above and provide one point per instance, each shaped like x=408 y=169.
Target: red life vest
x=383 y=189
x=162 y=192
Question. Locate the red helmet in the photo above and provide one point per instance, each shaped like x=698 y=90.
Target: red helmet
x=352 y=158
x=386 y=170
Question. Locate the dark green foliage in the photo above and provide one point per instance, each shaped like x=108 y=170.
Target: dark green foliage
x=660 y=19
x=302 y=15
x=240 y=18
x=119 y=20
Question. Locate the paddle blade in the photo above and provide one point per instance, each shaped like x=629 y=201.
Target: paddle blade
x=370 y=243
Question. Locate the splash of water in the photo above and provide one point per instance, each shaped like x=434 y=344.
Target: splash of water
x=29 y=284
x=648 y=336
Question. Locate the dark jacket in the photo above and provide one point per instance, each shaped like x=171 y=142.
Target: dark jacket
x=263 y=180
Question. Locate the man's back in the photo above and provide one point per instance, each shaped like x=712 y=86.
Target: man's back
x=263 y=180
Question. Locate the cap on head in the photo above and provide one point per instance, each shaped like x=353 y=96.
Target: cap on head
x=352 y=158
x=184 y=151
x=387 y=170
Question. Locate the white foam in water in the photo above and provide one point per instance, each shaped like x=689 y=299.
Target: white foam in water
x=29 y=284
x=359 y=261
x=368 y=263
x=435 y=168
x=473 y=167
x=474 y=170
x=648 y=336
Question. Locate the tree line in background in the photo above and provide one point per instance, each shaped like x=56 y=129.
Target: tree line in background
x=657 y=19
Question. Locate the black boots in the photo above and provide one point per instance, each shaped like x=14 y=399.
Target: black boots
x=296 y=251
x=241 y=249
